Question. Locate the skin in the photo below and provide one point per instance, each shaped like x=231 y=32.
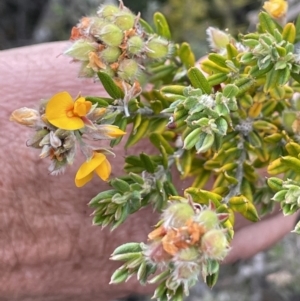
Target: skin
x=49 y=248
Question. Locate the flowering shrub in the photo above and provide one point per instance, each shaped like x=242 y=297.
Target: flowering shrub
x=223 y=119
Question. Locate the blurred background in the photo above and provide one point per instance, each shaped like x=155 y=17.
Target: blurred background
x=270 y=276
x=25 y=22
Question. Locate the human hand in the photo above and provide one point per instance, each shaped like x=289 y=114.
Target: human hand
x=49 y=247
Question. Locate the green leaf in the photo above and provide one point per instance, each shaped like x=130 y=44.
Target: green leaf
x=120 y=185
x=161 y=24
x=201 y=196
x=119 y=276
x=216 y=79
x=244 y=84
x=122 y=124
x=266 y=22
x=242 y=205
x=135 y=136
x=230 y=90
x=297 y=38
x=280 y=195
x=133 y=160
x=169 y=188
x=130 y=247
x=296 y=76
x=158 y=140
x=146 y=26
x=212 y=279
x=164 y=73
x=205 y=142
x=110 y=86
x=192 y=138
x=289 y=32
x=198 y=80
x=186 y=55
x=272 y=79
x=218 y=59
x=101 y=196
x=297 y=228
x=150 y=166
x=291 y=163
x=100 y=101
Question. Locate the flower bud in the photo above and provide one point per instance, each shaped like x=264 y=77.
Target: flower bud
x=217 y=39
x=276 y=8
x=125 y=20
x=158 y=48
x=177 y=214
x=214 y=244
x=128 y=70
x=107 y=11
x=25 y=116
x=208 y=218
x=111 y=35
x=110 y=54
x=135 y=45
x=80 y=50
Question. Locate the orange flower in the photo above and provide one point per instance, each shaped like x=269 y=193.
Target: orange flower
x=99 y=164
x=64 y=113
x=276 y=8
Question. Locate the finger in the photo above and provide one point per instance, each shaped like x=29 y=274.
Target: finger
x=34 y=72
x=259 y=236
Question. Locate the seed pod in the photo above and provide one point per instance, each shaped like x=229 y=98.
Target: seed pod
x=214 y=244
x=135 y=45
x=177 y=214
x=157 y=48
x=80 y=50
x=110 y=54
x=111 y=35
x=128 y=70
x=208 y=218
x=107 y=11
x=124 y=20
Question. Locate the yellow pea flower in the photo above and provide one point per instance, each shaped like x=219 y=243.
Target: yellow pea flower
x=276 y=8
x=64 y=113
x=107 y=131
x=98 y=164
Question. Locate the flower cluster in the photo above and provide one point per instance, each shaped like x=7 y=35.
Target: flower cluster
x=188 y=238
x=227 y=120
x=60 y=125
x=115 y=42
